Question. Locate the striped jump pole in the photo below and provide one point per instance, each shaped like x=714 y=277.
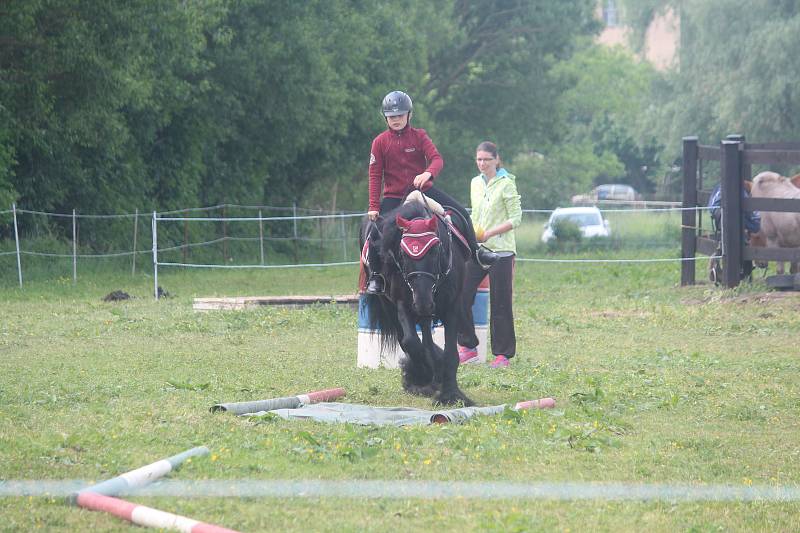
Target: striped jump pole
x=287 y=402
x=541 y=403
x=460 y=415
x=141 y=476
x=145 y=516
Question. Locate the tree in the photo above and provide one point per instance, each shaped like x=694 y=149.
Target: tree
x=545 y=182
x=737 y=72
x=85 y=86
x=492 y=80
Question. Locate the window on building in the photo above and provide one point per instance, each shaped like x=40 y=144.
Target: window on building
x=610 y=14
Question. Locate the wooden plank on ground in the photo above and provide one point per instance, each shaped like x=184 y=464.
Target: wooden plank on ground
x=246 y=302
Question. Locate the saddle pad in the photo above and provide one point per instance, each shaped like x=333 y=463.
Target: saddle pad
x=418 y=239
x=416 y=245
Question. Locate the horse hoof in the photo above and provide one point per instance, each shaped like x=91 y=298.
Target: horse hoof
x=427 y=391
x=453 y=399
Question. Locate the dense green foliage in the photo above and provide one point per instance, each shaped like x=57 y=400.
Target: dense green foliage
x=160 y=105
x=738 y=72
x=124 y=104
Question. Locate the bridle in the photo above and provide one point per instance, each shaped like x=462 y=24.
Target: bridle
x=441 y=272
x=444 y=268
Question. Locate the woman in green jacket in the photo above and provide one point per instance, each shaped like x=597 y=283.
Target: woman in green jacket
x=496 y=211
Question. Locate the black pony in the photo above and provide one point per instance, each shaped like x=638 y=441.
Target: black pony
x=424 y=270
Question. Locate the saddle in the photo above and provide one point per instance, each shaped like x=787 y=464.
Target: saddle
x=439 y=211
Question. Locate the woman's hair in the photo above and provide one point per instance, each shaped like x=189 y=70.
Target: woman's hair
x=488 y=146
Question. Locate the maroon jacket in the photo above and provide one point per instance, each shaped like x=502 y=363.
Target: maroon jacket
x=397 y=157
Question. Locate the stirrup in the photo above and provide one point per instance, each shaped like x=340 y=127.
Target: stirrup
x=376 y=284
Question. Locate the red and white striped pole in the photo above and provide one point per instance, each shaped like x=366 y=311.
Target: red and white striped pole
x=541 y=403
x=460 y=415
x=288 y=402
x=145 y=516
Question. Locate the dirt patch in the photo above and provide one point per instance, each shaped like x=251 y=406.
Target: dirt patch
x=789 y=297
x=767 y=297
x=616 y=313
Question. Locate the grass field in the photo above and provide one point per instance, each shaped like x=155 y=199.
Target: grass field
x=655 y=384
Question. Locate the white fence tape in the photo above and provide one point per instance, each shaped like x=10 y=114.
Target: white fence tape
x=428 y=490
x=296 y=216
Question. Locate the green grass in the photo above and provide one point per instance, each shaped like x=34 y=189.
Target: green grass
x=655 y=384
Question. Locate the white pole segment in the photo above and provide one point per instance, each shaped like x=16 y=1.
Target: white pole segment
x=135 y=228
x=155 y=256
x=16 y=241
x=74 y=248
x=261 y=234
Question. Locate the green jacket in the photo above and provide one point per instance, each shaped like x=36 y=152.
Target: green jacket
x=494 y=203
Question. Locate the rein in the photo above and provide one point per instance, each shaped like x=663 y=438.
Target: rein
x=442 y=273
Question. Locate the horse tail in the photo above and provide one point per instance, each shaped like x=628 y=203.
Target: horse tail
x=383 y=317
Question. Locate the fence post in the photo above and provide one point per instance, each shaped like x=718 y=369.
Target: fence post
x=747 y=170
x=321 y=241
x=689 y=216
x=74 y=248
x=185 y=239
x=135 y=228
x=294 y=225
x=344 y=237
x=732 y=237
x=154 y=231
x=224 y=237
x=261 y=235
x=16 y=241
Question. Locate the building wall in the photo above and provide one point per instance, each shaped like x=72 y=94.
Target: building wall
x=661 y=39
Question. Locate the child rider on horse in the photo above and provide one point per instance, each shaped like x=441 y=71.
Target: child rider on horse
x=402 y=159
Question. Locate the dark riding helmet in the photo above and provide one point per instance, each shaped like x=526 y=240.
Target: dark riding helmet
x=396 y=103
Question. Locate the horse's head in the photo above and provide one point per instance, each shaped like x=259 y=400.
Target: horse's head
x=422 y=261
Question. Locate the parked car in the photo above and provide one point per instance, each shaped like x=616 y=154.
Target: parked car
x=609 y=191
x=588 y=219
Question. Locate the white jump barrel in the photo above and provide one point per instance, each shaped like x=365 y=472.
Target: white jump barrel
x=369 y=340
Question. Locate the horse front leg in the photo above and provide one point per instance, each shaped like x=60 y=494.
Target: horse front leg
x=416 y=367
x=434 y=354
x=450 y=393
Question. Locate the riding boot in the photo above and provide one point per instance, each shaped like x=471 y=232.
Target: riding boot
x=376 y=284
x=485 y=257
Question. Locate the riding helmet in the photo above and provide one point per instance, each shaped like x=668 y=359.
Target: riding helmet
x=396 y=103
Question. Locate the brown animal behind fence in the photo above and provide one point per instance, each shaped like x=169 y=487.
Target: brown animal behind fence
x=778 y=229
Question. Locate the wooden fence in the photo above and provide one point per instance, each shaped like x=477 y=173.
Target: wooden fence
x=736 y=159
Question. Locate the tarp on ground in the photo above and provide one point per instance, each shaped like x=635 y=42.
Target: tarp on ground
x=335 y=412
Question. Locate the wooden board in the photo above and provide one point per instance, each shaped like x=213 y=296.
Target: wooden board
x=246 y=302
x=784 y=282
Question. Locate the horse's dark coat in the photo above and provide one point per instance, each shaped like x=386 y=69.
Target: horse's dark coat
x=417 y=299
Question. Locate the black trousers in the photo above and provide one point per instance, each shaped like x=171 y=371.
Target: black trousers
x=501 y=291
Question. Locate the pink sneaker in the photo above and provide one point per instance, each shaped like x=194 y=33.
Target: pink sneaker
x=467 y=355
x=499 y=362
